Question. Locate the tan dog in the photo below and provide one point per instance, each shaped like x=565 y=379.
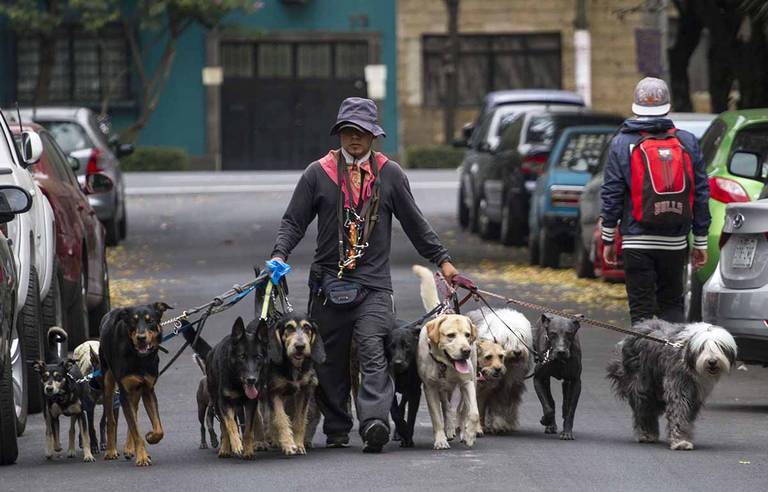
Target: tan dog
x=490 y=373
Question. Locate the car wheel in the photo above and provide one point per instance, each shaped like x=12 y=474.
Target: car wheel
x=549 y=251
x=78 y=311
x=9 y=450
x=512 y=233
x=486 y=228
x=583 y=264
x=691 y=295
x=533 y=249
x=19 y=381
x=123 y=225
x=463 y=212
x=97 y=313
x=53 y=309
x=474 y=215
x=112 y=226
x=34 y=339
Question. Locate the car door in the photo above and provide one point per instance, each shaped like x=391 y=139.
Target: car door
x=504 y=158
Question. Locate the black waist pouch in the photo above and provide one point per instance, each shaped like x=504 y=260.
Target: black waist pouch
x=337 y=292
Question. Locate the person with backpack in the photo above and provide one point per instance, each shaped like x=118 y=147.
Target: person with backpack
x=354 y=192
x=656 y=190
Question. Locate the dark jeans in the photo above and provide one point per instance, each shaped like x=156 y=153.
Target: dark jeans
x=654 y=281
x=370 y=324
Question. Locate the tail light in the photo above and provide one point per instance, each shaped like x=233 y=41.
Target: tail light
x=565 y=196
x=534 y=164
x=727 y=190
x=93 y=163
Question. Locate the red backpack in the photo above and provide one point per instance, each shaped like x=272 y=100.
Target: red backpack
x=662 y=189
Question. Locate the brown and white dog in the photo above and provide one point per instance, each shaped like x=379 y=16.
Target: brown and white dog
x=490 y=374
x=446 y=360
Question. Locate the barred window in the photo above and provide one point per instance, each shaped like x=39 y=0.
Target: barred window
x=489 y=62
x=86 y=67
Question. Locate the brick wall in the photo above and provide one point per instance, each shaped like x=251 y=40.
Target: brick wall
x=614 y=71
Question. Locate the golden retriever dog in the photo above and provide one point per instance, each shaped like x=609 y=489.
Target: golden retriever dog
x=490 y=374
x=446 y=360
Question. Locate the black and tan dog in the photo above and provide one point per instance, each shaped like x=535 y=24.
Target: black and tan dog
x=236 y=374
x=130 y=339
x=65 y=393
x=402 y=347
x=205 y=410
x=294 y=347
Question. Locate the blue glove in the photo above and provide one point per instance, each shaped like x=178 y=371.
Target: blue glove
x=278 y=269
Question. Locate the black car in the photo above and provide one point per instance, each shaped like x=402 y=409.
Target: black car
x=505 y=184
x=483 y=135
x=13 y=367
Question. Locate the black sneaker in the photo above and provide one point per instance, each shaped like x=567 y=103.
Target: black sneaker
x=337 y=441
x=375 y=436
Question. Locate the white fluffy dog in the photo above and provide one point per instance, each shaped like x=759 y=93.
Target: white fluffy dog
x=512 y=330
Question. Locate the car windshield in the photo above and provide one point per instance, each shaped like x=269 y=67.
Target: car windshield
x=583 y=150
x=69 y=135
x=696 y=127
x=541 y=130
x=544 y=129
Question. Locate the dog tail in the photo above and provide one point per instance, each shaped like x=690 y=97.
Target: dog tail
x=618 y=378
x=200 y=362
x=56 y=335
x=429 y=296
x=200 y=346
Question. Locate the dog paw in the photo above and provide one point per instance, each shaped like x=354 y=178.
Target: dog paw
x=550 y=429
x=224 y=454
x=88 y=458
x=95 y=450
x=57 y=448
x=128 y=455
x=103 y=446
x=469 y=441
x=406 y=443
x=111 y=455
x=250 y=456
x=300 y=449
x=261 y=446
x=71 y=453
x=441 y=444
x=308 y=444
x=203 y=446
x=647 y=438
x=566 y=436
x=682 y=445
x=145 y=460
x=289 y=450
x=214 y=443
x=153 y=437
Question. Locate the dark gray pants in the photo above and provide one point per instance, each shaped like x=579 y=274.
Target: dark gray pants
x=654 y=280
x=370 y=324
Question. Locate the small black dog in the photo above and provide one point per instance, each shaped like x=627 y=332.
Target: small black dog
x=65 y=393
x=236 y=372
x=402 y=348
x=205 y=409
x=130 y=339
x=557 y=343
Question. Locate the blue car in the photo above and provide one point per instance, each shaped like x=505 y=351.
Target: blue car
x=555 y=200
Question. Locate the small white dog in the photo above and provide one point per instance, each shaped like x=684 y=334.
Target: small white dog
x=447 y=359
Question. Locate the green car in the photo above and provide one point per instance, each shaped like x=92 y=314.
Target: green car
x=730 y=147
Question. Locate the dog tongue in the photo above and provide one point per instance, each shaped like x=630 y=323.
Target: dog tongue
x=461 y=365
x=251 y=392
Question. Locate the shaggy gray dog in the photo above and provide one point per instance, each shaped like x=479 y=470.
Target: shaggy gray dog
x=655 y=378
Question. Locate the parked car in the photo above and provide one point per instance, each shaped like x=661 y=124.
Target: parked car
x=515 y=164
x=555 y=200
x=588 y=253
x=79 y=134
x=80 y=238
x=33 y=239
x=13 y=368
x=736 y=295
x=483 y=135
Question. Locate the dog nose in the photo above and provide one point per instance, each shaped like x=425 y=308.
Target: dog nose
x=466 y=352
x=250 y=381
x=712 y=362
x=517 y=353
x=48 y=391
x=300 y=347
x=496 y=371
x=142 y=337
x=561 y=353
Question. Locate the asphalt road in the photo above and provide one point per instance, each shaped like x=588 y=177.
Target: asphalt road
x=192 y=236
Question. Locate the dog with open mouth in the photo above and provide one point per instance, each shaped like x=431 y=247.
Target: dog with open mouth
x=128 y=346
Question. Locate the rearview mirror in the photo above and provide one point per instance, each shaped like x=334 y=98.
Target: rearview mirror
x=98 y=183
x=13 y=200
x=74 y=163
x=31 y=148
x=747 y=165
x=124 y=149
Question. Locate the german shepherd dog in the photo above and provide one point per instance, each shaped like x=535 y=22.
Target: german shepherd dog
x=236 y=373
x=65 y=394
x=130 y=339
x=294 y=347
x=402 y=347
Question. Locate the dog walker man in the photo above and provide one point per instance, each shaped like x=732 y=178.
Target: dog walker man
x=354 y=192
x=655 y=185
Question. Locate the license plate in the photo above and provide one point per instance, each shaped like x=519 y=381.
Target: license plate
x=744 y=253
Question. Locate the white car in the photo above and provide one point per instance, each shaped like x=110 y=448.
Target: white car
x=32 y=238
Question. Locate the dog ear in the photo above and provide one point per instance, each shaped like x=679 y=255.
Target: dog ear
x=39 y=366
x=161 y=307
x=318 y=346
x=275 y=344
x=544 y=320
x=433 y=329
x=473 y=331
x=238 y=329
x=577 y=322
x=69 y=363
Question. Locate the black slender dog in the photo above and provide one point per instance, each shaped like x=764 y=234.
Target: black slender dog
x=236 y=373
x=205 y=409
x=403 y=347
x=557 y=343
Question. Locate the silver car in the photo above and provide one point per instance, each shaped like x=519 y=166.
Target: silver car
x=79 y=134
x=736 y=296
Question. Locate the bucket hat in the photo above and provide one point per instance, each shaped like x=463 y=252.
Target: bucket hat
x=651 y=98
x=360 y=113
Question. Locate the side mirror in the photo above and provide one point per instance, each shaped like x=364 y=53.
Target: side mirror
x=31 y=148
x=466 y=130
x=124 y=149
x=747 y=165
x=98 y=183
x=13 y=200
x=74 y=163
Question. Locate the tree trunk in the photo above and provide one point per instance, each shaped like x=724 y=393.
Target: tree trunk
x=45 y=62
x=450 y=70
x=688 y=36
x=722 y=21
x=752 y=63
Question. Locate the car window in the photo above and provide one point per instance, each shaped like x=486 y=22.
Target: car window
x=603 y=157
x=583 y=151
x=712 y=139
x=69 y=135
x=55 y=161
x=753 y=139
x=63 y=163
x=510 y=132
x=100 y=130
x=694 y=127
x=479 y=135
x=541 y=130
